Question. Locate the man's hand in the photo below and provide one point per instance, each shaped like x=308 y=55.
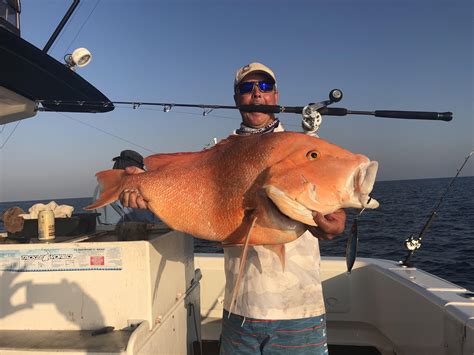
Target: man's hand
x=329 y=226
x=132 y=198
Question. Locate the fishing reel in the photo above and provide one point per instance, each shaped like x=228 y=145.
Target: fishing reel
x=312 y=118
x=412 y=243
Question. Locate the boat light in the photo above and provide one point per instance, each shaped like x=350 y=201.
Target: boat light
x=79 y=58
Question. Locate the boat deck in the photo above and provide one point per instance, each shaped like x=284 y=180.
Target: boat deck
x=54 y=341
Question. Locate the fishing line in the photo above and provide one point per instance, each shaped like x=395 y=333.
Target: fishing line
x=65 y=27
x=108 y=133
x=118 y=137
x=83 y=24
x=9 y=136
x=353 y=240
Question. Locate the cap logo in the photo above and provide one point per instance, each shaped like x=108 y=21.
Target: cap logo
x=246 y=68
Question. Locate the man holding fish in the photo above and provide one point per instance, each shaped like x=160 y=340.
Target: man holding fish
x=280 y=308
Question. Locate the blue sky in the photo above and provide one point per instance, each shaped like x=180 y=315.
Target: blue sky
x=402 y=55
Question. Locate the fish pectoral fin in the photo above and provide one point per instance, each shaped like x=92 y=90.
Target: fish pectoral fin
x=279 y=250
x=243 y=258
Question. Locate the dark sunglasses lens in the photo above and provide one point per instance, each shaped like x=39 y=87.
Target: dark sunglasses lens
x=245 y=88
x=265 y=86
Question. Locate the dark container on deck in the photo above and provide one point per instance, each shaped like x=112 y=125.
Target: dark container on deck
x=77 y=224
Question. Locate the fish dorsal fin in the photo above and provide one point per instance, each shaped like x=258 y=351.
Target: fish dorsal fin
x=243 y=258
x=158 y=161
x=279 y=250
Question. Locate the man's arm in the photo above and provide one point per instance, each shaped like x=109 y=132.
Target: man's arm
x=329 y=226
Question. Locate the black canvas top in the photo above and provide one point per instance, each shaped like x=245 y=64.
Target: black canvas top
x=30 y=72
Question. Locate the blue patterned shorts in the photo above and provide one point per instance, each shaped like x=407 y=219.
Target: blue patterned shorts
x=262 y=336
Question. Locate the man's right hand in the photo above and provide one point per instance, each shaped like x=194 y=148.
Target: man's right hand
x=328 y=226
x=131 y=197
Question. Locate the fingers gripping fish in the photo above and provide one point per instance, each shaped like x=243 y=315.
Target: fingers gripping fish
x=272 y=182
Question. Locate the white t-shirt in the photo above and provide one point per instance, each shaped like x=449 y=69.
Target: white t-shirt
x=268 y=292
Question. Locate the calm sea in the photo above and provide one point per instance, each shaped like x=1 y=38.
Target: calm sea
x=448 y=246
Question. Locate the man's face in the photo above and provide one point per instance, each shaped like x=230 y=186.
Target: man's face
x=256 y=97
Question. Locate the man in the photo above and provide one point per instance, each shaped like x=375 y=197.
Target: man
x=277 y=311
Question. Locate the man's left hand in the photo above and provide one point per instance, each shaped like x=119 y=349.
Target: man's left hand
x=328 y=226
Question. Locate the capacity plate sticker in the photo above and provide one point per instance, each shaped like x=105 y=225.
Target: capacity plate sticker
x=73 y=259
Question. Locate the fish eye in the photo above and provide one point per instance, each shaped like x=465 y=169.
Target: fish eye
x=313 y=154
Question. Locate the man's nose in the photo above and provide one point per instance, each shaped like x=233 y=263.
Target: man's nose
x=256 y=90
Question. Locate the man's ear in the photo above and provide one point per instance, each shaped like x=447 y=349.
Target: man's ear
x=277 y=94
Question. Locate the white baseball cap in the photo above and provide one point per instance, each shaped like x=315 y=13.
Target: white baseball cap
x=253 y=68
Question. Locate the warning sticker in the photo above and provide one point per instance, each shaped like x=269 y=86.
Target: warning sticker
x=74 y=259
x=97 y=260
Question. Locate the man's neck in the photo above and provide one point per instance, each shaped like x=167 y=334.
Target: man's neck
x=247 y=130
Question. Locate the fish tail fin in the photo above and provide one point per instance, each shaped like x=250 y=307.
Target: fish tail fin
x=110 y=182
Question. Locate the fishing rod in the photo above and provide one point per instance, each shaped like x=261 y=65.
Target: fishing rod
x=413 y=243
x=311 y=113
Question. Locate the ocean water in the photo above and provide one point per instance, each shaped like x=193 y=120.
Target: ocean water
x=448 y=246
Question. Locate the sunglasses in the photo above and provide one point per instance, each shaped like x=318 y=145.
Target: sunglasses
x=247 y=87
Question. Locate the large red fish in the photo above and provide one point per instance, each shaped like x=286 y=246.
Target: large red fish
x=272 y=181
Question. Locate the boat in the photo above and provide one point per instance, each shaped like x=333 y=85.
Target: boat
x=140 y=289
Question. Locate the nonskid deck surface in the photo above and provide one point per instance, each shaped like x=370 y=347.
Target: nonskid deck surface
x=65 y=340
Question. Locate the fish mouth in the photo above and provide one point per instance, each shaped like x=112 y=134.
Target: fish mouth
x=356 y=195
x=361 y=183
